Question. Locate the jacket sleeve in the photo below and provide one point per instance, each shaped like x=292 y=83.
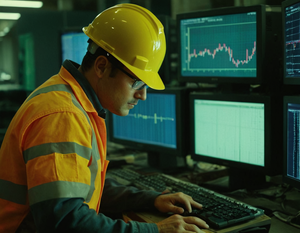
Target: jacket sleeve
x=72 y=215
x=58 y=179
x=114 y=195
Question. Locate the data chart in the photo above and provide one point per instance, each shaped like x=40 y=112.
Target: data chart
x=152 y=121
x=223 y=46
x=292 y=41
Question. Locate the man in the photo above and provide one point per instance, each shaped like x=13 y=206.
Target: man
x=53 y=157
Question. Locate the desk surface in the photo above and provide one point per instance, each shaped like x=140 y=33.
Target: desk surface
x=277 y=226
x=267 y=199
x=271 y=200
x=156 y=217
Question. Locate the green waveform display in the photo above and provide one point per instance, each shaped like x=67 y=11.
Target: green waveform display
x=154 y=117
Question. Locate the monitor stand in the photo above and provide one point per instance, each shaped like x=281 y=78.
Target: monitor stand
x=166 y=163
x=238 y=179
x=246 y=179
x=234 y=88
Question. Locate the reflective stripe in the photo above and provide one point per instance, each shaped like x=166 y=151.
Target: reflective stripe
x=57 y=189
x=59 y=147
x=95 y=153
x=59 y=87
x=93 y=167
x=13 y=192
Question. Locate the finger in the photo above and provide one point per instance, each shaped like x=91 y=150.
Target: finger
x=189 y=203
x=177 y=210
x=185 y=200
x=192 y=228
x=196 y=204
x=192 y=203
x=186 y=205
x=197 y=221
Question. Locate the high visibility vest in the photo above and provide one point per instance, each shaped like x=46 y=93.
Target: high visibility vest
x=55 y=147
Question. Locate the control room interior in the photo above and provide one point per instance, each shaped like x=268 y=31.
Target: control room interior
x=31 y=52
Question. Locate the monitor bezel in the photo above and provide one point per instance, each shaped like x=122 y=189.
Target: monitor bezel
x=260 y=43
x=181 y=98
x=287 y=80
x=286 y=101
x=269 y=162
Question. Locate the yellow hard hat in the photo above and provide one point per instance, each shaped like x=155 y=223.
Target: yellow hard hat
x=134 y=36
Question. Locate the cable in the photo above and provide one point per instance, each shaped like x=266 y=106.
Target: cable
x=292 y=220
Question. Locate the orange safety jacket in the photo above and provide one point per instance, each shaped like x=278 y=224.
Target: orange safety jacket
x=55 y=147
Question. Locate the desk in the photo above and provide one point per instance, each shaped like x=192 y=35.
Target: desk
x=292 y=204
x=261 y=221
x=291 y=201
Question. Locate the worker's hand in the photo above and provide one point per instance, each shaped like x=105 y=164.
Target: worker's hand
x=169 y=203
x=179 y=224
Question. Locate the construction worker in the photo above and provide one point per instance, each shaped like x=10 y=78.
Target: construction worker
x=53 y=157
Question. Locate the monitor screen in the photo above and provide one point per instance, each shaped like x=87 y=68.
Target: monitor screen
x=152 y=122
x=291 y=38
x=73 y=46
x=235 y=131
x=291 y=169
x=155 y=125
x=225 y=45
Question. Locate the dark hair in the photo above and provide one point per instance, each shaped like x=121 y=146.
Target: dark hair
x=89 y=59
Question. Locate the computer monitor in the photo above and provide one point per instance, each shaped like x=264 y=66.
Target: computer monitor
x=291 y=39
x=291 y=126
x=236 y=45
x=73 y=45
x=157 y=126
x=241 y=132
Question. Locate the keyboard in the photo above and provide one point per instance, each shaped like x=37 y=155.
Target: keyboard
x=123 y=176
x=219 y=211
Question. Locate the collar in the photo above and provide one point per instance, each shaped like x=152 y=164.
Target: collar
x=72 y=68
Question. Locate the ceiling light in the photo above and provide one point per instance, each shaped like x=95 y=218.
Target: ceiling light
x=5 y=76
x=10 y=16
x=31 y=4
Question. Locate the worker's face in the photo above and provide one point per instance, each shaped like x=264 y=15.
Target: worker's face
x=116 y=93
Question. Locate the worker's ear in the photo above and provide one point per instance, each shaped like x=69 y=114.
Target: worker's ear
x=100 y=65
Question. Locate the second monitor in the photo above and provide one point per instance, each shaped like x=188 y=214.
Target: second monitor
x=73 y=45
x=158 y=126
x=241 y=132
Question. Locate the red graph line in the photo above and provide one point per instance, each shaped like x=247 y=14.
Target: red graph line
x=294 y=43
x=226 y=49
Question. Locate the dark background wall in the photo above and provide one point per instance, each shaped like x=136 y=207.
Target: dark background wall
x=46 y=27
